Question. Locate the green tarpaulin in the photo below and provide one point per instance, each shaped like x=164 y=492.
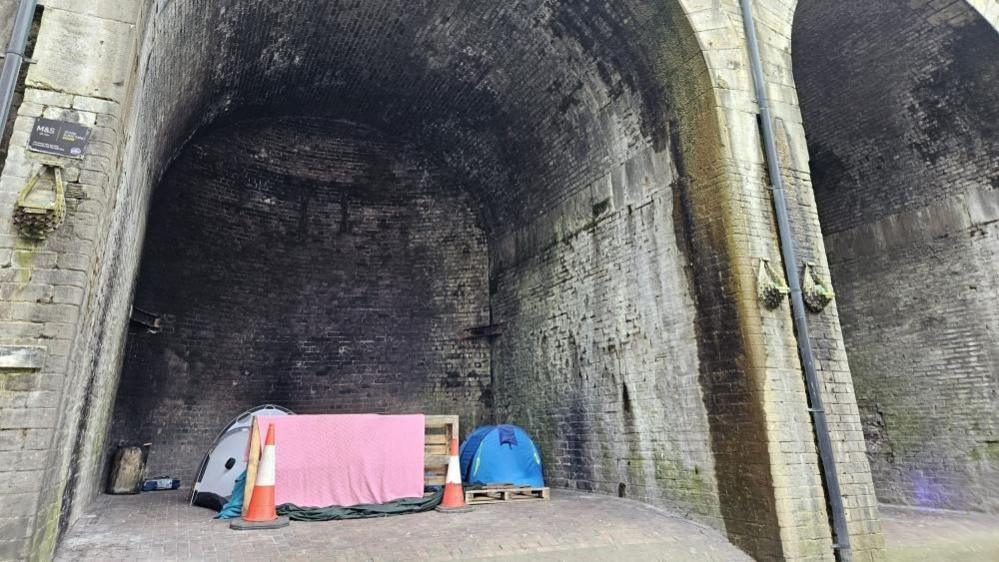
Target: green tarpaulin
x=332 y=513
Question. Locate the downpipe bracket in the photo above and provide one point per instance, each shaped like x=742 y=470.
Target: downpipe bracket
x=23 y=58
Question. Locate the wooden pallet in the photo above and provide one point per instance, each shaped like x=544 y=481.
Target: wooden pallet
x=495 y=494
x=436 y=452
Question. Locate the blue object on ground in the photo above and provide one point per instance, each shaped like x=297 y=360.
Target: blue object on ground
x=234 y=507
x=501 y=454
x=161 y=483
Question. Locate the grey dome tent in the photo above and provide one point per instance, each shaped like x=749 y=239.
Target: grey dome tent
x=226 y=460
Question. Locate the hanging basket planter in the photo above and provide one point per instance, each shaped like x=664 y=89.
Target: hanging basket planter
x=41 y=206
x=816 y=293
x=770 y=288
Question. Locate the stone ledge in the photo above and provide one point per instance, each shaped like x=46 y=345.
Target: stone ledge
x=976 y=207
x=82 y=55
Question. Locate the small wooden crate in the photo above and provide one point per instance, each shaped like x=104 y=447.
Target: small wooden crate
x=495 y=494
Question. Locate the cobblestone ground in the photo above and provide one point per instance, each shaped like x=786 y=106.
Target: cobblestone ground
x=927 y=535
x=572 y=526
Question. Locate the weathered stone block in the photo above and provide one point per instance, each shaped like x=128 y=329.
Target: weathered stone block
x=82 y=55
x=22 y=357
x=71 y=115
x=47 y=98
x=126 y=11
x=95 y=105
x=16 y=549
x=29 y=109
x=28 y=418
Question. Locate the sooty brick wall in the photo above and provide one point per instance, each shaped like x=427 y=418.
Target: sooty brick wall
x=599 y=354
x=899 y=105
x=305 y=263
x=901 y=109
x=599 y=357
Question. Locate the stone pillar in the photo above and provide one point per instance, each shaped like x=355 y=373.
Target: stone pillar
x=770 y=411
x=84 y=53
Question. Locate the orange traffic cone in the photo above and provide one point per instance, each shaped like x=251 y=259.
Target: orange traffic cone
x=454 y=494
x=262 y=513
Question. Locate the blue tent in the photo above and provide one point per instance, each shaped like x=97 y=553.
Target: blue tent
x=500 y=454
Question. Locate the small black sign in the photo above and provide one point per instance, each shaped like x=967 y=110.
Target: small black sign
x=58 y=137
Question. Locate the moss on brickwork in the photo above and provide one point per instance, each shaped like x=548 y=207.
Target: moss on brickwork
x=46 y=532
x=989 y=452
x=684 y=481
x=23 y=259
x=637 y=474
x=732 y=349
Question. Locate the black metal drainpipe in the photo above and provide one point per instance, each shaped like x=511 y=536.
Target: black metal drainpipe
x=841 y=540
x=14 y=57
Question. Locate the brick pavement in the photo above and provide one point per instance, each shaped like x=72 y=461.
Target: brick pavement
x=572 y=526
x=934 y=535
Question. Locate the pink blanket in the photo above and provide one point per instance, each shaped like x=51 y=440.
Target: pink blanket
x=344 y=460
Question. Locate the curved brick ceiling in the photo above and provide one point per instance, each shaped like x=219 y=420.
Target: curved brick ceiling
x=513 y=96
x=899 y=104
